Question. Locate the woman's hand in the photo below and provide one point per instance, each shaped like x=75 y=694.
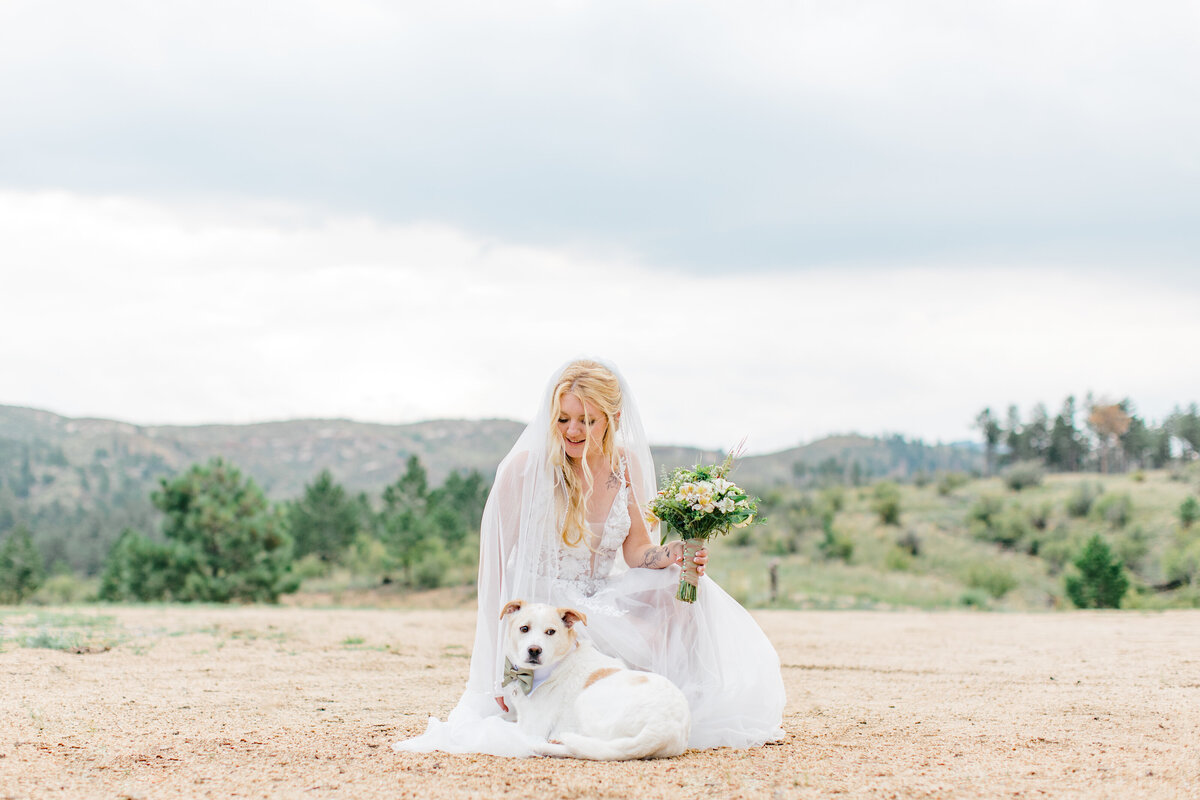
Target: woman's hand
x=675 y=550
x=500 y=700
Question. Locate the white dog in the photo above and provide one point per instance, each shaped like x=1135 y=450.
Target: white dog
x=582 y=702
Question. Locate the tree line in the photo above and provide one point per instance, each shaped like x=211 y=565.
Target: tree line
x=220 y=539
x=1111 y=438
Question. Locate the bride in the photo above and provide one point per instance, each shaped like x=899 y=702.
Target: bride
x=568 y=498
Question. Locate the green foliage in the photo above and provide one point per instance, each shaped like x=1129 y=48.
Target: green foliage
x=1100 y=580
x=1024 y=474
x=66 y=589
x=886 y=502
x=1009 y=528
x=223 y=543
x=898 y=559
x=21 y=568
x=1189 y=511
x=835 y=545
x=427 y=532
x=949 y=481
x=1079 y=504
x=1113 y=508
x=141 y=569
x=993 y=577
x=432 y=569
x=324 y=521
x=1132 y=546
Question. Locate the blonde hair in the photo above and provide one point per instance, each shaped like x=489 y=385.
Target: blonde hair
x=594 y=384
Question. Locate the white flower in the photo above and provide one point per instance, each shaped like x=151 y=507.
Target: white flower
x=725 y=505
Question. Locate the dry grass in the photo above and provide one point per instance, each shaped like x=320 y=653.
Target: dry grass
x=303 y=703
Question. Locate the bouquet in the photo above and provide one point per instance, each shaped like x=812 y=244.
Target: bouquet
x=699 y=503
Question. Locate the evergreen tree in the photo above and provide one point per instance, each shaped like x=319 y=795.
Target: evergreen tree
x=1137 y=443
x=403 y=519
x=21 y=568
x=1066 y=447
x=1185 y=426
x=223 y=543
x=143 y=570
x=410 y=491
x=1037 y=434
x=1100 y=581
x=323 y=521
x=990 y=428
x=1014 y=438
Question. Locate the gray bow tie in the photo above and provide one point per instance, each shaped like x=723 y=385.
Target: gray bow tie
x=520 y=675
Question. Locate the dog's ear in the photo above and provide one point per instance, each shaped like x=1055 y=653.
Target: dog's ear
x=570 y=616
x=513 y=605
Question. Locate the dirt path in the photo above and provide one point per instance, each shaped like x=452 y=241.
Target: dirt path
x=289 y=702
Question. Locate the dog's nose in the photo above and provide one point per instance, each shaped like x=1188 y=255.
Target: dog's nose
x=535 y=651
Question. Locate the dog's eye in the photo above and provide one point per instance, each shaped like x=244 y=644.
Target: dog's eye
x=524 y=629
x=549 y=631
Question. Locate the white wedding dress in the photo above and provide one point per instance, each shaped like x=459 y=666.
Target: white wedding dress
x=712 y=649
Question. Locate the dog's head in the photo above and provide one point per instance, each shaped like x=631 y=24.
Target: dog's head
x=538 y=635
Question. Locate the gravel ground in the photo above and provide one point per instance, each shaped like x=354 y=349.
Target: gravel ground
x=292 y=702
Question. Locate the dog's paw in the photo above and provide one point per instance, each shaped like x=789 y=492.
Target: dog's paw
x=552 y=749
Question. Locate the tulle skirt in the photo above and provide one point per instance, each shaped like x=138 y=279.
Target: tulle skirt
x=712 y=649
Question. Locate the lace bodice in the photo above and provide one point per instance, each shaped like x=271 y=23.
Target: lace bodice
x=587 y=567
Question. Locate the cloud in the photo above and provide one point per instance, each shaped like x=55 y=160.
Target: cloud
x=694 y=135
x=154 y=312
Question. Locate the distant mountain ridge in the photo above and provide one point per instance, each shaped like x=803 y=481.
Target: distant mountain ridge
x=284 y=456
x=77 y=483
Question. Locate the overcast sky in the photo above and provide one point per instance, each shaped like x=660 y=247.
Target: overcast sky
x=782 y=220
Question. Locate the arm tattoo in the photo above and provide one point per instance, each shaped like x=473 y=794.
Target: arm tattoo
x=655 y=558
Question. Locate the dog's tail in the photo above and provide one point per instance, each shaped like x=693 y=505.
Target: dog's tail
x=650 y=742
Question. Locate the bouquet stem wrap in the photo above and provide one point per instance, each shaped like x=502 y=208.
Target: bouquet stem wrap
x=689 y=580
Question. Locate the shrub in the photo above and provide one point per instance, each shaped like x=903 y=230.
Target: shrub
x=66 y=589
x=910 y=543
x=1100 y=580
x=1115 y=509
x=832 y=499
x=974 y=599
x=1132 y=546
x=1189 y=511
x=1039 y=517
x=835 y=545
x=994 y=578
x=1008 y=529
x=430 y=571
x=1181 y=563
x=886 y=503
x=951 y=481
x=1079 y=503
x=1024 y=474
x=985 y=509
x=898 y=559
x=21 y=568
x=1056 y=548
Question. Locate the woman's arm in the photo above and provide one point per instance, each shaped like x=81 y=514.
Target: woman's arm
x=639 y=551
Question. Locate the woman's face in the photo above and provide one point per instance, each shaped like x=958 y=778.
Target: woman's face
x=576 y=429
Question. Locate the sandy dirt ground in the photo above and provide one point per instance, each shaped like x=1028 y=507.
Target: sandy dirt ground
x=304 y=703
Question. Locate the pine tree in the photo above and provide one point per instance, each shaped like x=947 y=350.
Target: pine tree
x=223 y=543
x=324 y=520
x=21 y=568
x=1101 y=581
